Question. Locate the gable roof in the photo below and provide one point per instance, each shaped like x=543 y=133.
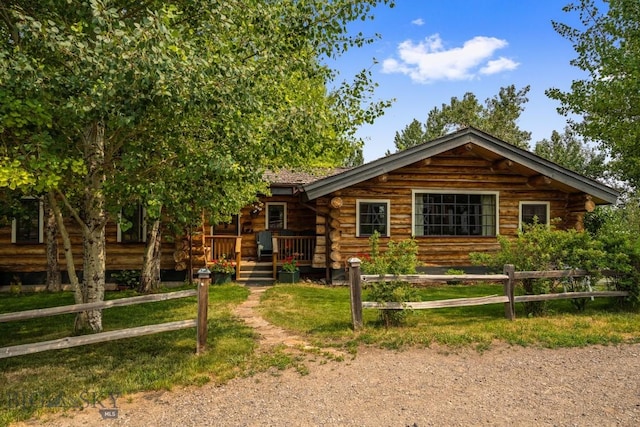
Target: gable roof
x=486 y=144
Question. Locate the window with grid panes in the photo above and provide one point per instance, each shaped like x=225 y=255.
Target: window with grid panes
x=444 y=214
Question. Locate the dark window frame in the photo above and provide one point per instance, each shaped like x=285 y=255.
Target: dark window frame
x=371 y=218
x=530 y=209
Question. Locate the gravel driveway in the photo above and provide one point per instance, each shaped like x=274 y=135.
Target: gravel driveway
x=594 y=386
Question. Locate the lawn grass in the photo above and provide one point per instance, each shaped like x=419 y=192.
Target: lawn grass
x=76 y=376
x=323 y=314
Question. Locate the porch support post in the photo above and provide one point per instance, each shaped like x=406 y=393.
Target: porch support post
x=238 y=251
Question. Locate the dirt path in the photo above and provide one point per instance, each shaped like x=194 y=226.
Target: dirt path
x=269 y=334
x=505 y=386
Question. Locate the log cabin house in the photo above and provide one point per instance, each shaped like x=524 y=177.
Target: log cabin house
x=454 y=194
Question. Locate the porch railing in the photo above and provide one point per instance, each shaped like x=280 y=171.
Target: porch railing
x=301 y=248
x=218 y=246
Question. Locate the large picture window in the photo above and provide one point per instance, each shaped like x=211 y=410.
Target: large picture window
x=276 y=216
x=28 y=224
x=534 y=211
x=372 y=215
x=455 y=214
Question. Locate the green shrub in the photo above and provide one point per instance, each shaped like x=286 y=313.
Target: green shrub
x=129 y=279
x=619 y=234
x=399 y=258
x=393 y=291
x=542 y=247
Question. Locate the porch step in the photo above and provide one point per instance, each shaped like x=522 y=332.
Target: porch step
x=256 y=272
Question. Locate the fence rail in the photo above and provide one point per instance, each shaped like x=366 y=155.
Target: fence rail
x=434 y=278
x=200 y=323
x=77 y=308
x=68 y=342
x=509 y=279
x=420 y=305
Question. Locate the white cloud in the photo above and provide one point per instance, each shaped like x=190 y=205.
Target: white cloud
x=428 y=60
x=419 y=22
x=498 y=65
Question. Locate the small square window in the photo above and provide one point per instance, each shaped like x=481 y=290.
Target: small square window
x=531 y=212
x=372 y=216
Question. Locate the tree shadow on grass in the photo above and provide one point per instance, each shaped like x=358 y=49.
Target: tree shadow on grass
x=152 y=362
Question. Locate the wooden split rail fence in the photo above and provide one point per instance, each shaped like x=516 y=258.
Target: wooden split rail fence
x=509 y=279
x=200 y=323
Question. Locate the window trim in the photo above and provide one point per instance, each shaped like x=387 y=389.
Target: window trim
x=14 y=224
x=385 y=201
x=415 y=191
x=533 y=202
x=143 y=238
x=266 y=215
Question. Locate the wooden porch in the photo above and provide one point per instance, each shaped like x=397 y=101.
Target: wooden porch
x=284 y=247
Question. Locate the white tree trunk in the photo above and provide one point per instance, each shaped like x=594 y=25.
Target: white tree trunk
x=150 y=277
x=94 y=220
x=68 y=254
x=93 y=279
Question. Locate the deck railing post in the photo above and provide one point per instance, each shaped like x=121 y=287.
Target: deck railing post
x=509 y=285
x=204 y=279
x=274 y=257
x=356 y=293
x=238 y=252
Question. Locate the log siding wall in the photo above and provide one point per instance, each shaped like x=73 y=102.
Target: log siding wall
x=29 y=258
x=332 y=218
x=444 y=173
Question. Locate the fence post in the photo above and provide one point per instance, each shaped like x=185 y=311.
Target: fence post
x=509 y=285
x=204 y=276
x=356 y=293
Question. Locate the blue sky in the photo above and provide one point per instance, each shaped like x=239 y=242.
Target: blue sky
x=432 y=50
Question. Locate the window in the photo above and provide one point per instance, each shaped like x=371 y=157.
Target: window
x=132 y=227
x=276 y=216
x=455 y=214
x=529 y=211
x=27 y=226
x=230 y=227
x=372 y=215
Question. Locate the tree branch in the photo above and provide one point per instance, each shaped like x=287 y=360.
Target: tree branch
x=5 y=16
x=73 y=212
